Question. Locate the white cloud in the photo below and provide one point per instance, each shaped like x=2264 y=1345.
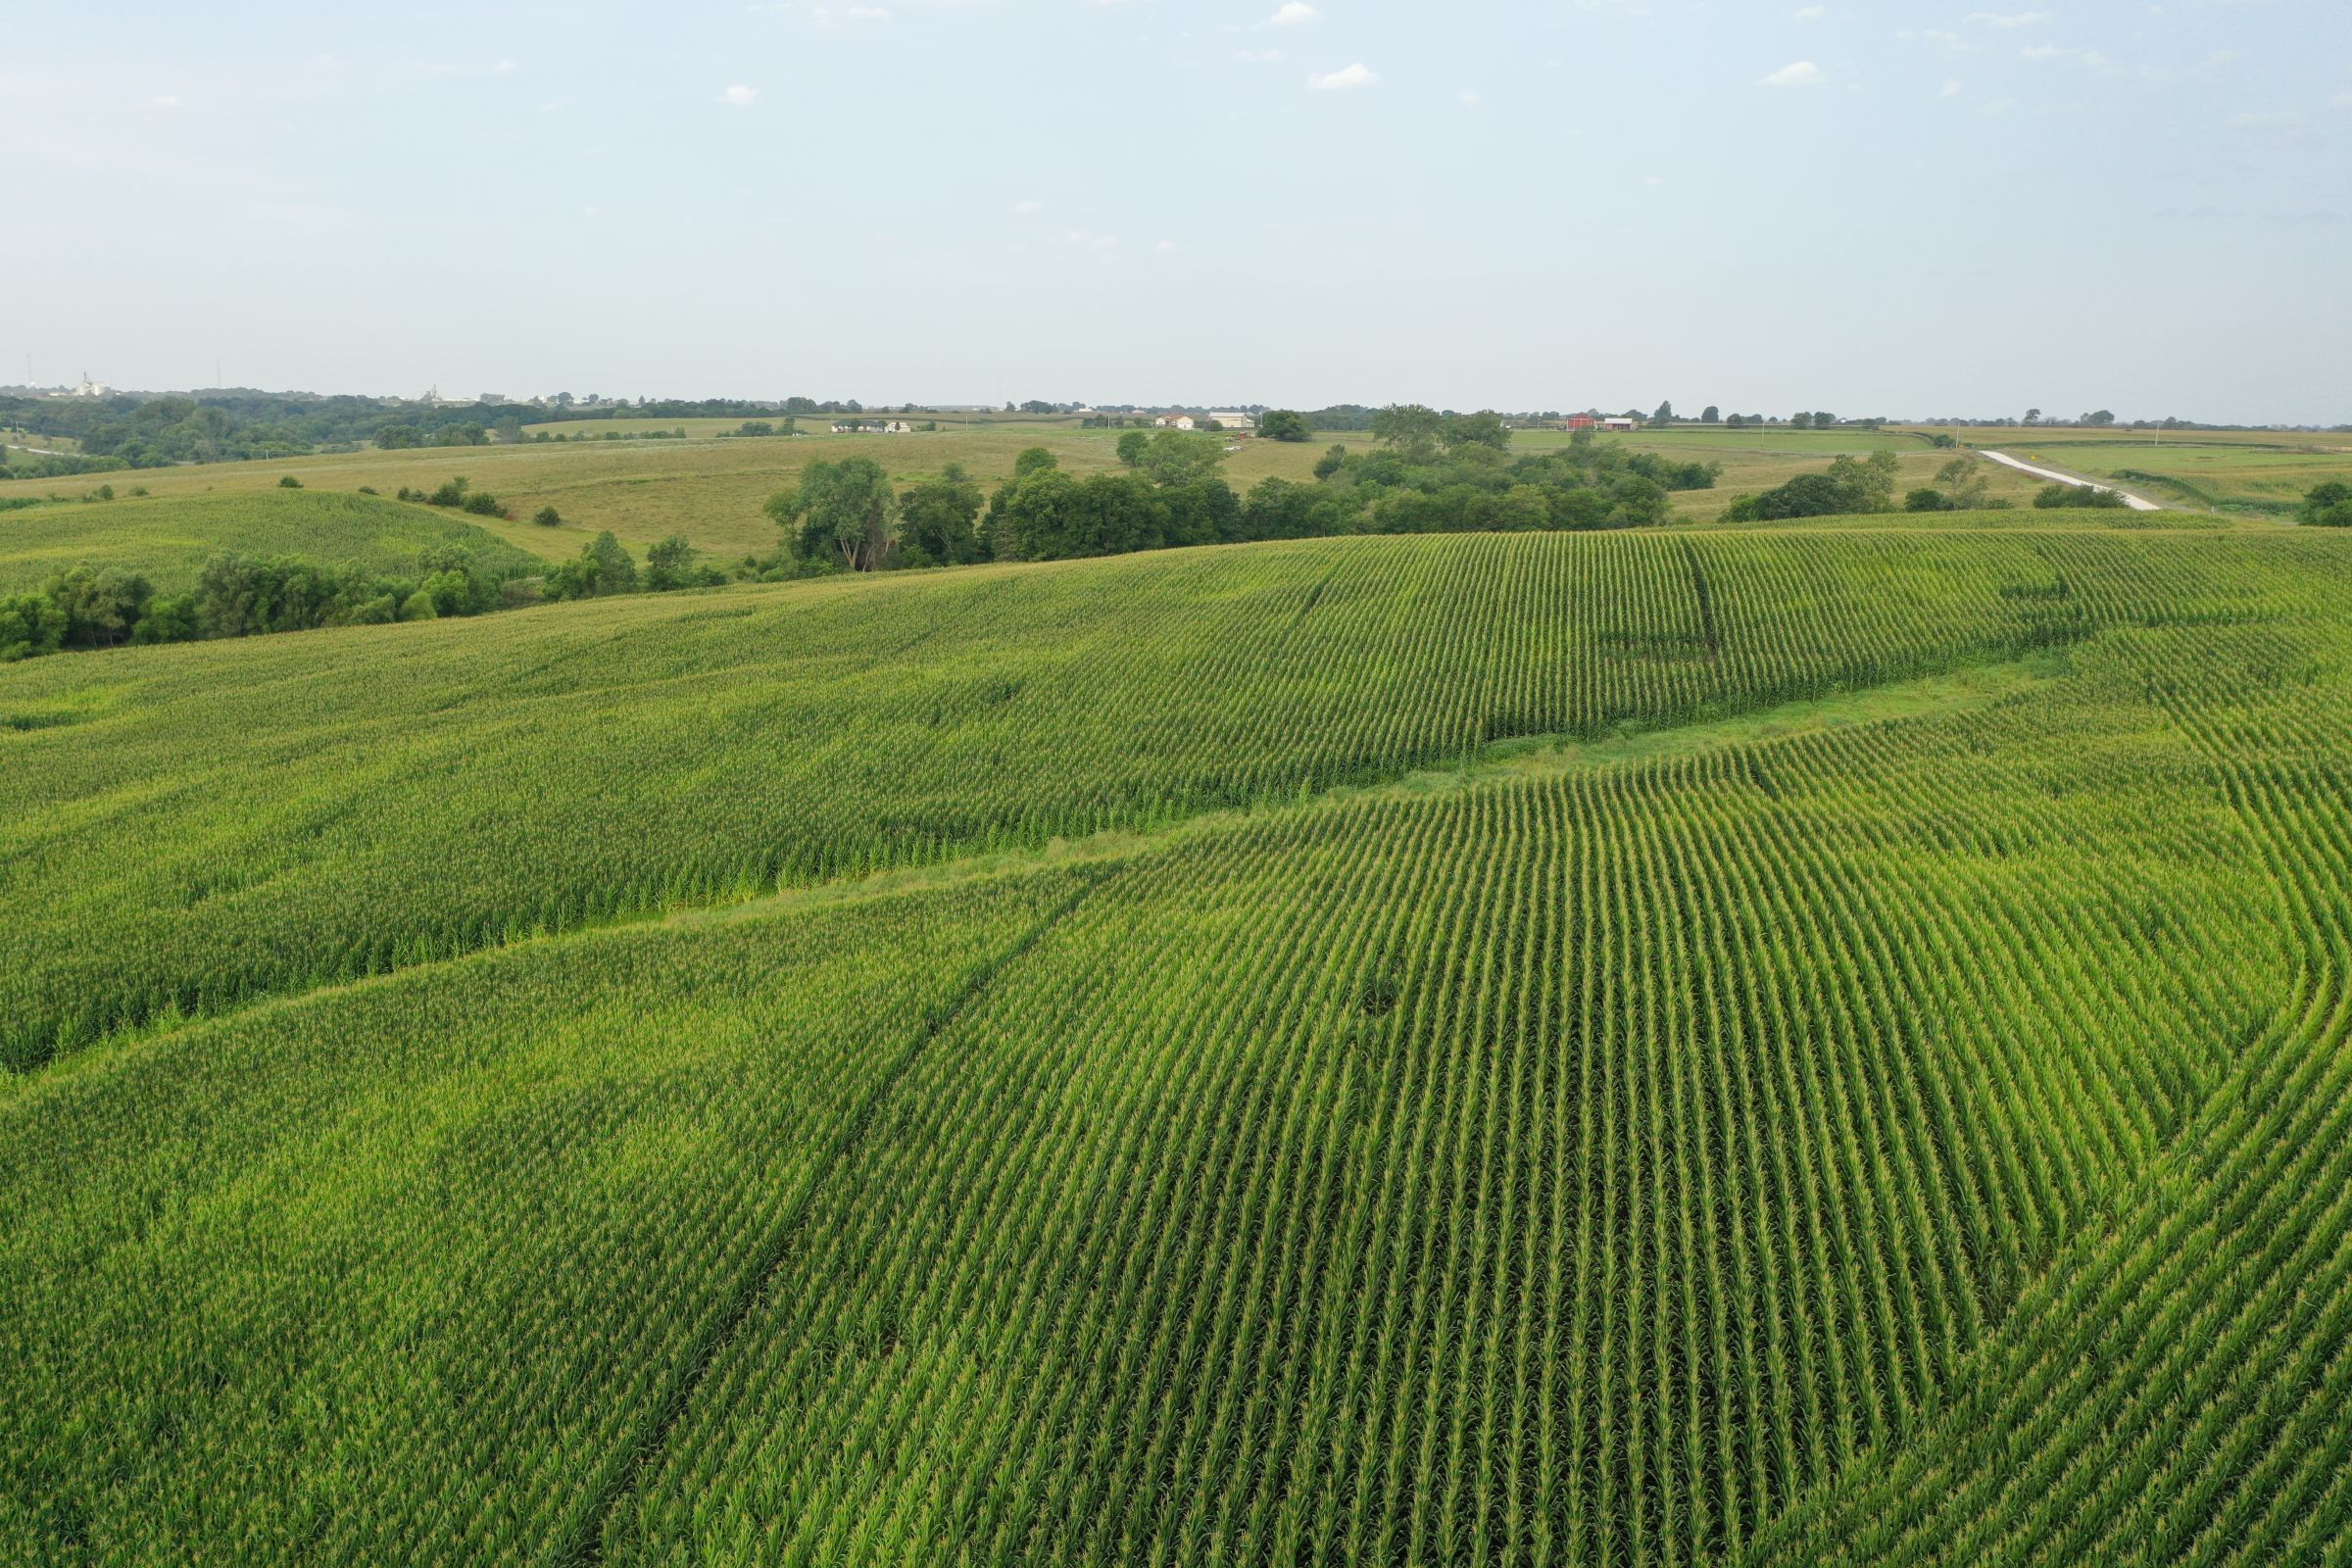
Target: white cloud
x=1029 y=207
x=456 y=67
x=1292 y=14
x=1811 y=13
x=868 y=13
x=1358 y=75
x=1799 y=74
x=1083 y=240
x=1166 y=246
x=2042 y=51
x=168 y=100
x=2267 y=120
x=1951 y=89
x=739 y=96
x=2342 y=100
x=2015 y=19
x=1470 y=100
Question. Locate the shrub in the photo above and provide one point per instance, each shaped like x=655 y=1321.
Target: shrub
x=1808 y=495
x=2328 y=506
x=548 y=517
x=288 y=482
x=451 y=494
x=482 y=504
x=2060 y=497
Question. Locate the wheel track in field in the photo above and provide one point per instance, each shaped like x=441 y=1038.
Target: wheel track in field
x=584 y=1543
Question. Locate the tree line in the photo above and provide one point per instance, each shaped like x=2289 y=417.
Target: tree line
x=1432 y=473
x=86 y=607
x=133 y=431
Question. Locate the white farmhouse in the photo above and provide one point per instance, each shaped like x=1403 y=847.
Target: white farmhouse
x=1236 y=422
x=1174 y=422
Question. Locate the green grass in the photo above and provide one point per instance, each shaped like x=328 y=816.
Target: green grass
x=711 y=490
x=169 y=538
x=2256 y=472
x=1720 y=1046
x=2234 y=476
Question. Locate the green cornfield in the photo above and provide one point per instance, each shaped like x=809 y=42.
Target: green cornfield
x=1779 y=1045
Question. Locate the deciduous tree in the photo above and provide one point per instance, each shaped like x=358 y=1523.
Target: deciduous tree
x=843 y=509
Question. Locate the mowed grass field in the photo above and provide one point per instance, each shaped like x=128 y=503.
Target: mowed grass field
x=169 y=538
x=711 y=490
x=1764 y=1046
x=2252 y=472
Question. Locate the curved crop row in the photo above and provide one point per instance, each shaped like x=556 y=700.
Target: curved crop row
x=185 y=828
x=1568 y=1172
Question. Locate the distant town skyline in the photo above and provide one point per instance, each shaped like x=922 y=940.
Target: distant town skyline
x=1910 y=210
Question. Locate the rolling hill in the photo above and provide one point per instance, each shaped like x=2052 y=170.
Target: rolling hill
x=1774 y=1046
x=169 y=538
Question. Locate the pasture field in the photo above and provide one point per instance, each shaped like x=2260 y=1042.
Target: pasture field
x=1756 y=461
x=169 y=538
x=1762 y=1046
x=2230 y=478
x=711 y=489
x=28 y=443
x=2254 y=472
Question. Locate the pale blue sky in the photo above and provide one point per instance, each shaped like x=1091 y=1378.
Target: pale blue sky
x=1912 y=209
